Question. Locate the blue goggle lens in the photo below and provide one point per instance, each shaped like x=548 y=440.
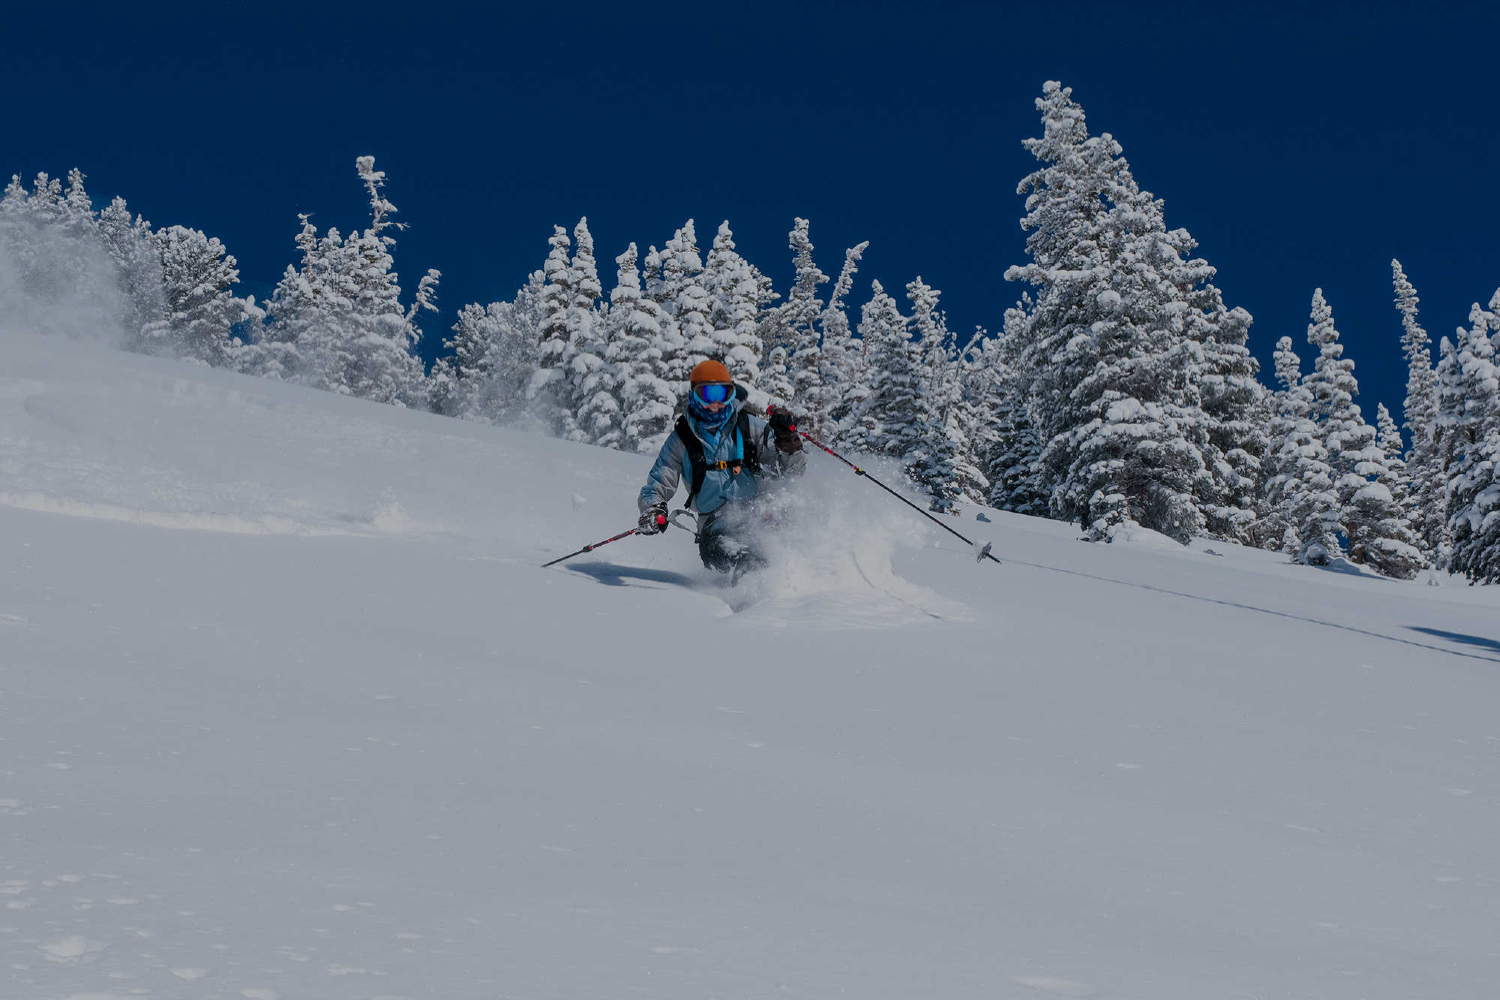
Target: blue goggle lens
x=714 y=392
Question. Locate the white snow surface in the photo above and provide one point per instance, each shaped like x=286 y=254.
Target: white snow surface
x=288 y=709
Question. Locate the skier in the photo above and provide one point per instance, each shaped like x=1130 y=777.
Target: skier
x=724 y=452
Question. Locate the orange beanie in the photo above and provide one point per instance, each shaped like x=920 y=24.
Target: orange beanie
x=710 y=371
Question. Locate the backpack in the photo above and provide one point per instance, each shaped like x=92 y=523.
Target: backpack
x=699 y=465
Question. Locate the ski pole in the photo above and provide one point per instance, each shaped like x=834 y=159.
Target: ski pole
x=984 y=551
x=660 y=519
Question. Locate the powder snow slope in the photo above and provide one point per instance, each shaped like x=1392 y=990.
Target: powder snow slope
x=288 y=710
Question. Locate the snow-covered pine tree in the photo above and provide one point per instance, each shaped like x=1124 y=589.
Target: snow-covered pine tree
x=1368 y=514
x=337 y=322
x=734 y=294
x=59 y=278
x=76 y=215
x=938 y=460
x=984 y=414
x=1014 y=464
x=1291 y=430
x=455 y=379
x=298 y=340
x=1474 y=444
x=1341 y=429
x=1423 y=463
x=1476 y=518
x=1374 y=518
x=1388 y=437
x=842 y=357
x=495 y=357
x=45 y=202
x=682 y=270
x=380 y=335
x=1448 y=440
x=770 y=324
x=201 y=309
x=799 y=326
x=36 y=246
x=13 y=199
x=888 y=420
x=132 y=246
x=593 y=377
x=648 y=401
x=550 y=390
x=1123 y=429
x=1233 y=400
x=453 y=376
x=1304 y=489
x=671 y=358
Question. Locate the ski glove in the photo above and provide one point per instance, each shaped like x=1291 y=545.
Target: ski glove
x=784 y=428
x=654 y=520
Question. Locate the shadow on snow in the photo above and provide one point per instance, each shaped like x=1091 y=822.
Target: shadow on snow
x=1460 y=637
x=612 y=575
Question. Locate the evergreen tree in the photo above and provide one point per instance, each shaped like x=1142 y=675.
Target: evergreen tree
x=551 y=390
x=337 y=322
x=298 y=340
x=1388 y=437
x=45 y=202
x=800 y=336
x=1293 y=437
x=1449 y=441
x=1233 y=400
x=672 y=358
x=1367 y=512
x=494 y=358
x=1422 y=461
x=497 y=382
x=1117 y=368
x=593 y=378
x=1474 y=444
x=201 y=310
x=937 y=460
x=1014 y=466
x=688 y=302
x=1374 y=518
x=648 y=401
x=60 y=280
x=1308 y=494
x=132 y=246
x=1476 y=519
x=381 y=336
x=454 y=377
x=888 y=419
x=734 y=292
x=985 y=413
x=1333 y=386
x=13 y=201
x=76 y=212
x=842 y=357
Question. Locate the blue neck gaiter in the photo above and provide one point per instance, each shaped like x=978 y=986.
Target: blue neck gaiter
x=710 y=422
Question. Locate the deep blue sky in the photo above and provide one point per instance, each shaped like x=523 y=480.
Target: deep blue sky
x=1301 y=147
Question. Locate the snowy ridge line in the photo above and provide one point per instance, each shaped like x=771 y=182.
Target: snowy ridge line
x=229 y=523
x=1252 y=607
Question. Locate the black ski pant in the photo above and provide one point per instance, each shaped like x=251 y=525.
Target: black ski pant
x=725 y=538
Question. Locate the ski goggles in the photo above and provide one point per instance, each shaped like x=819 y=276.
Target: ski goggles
x=713 y=392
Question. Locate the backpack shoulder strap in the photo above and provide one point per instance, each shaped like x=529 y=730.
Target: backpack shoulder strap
x=697 y=464
x=749 y=448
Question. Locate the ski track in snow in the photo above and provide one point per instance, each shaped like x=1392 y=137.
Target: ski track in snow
x=288 y=710
x=1263 y=611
